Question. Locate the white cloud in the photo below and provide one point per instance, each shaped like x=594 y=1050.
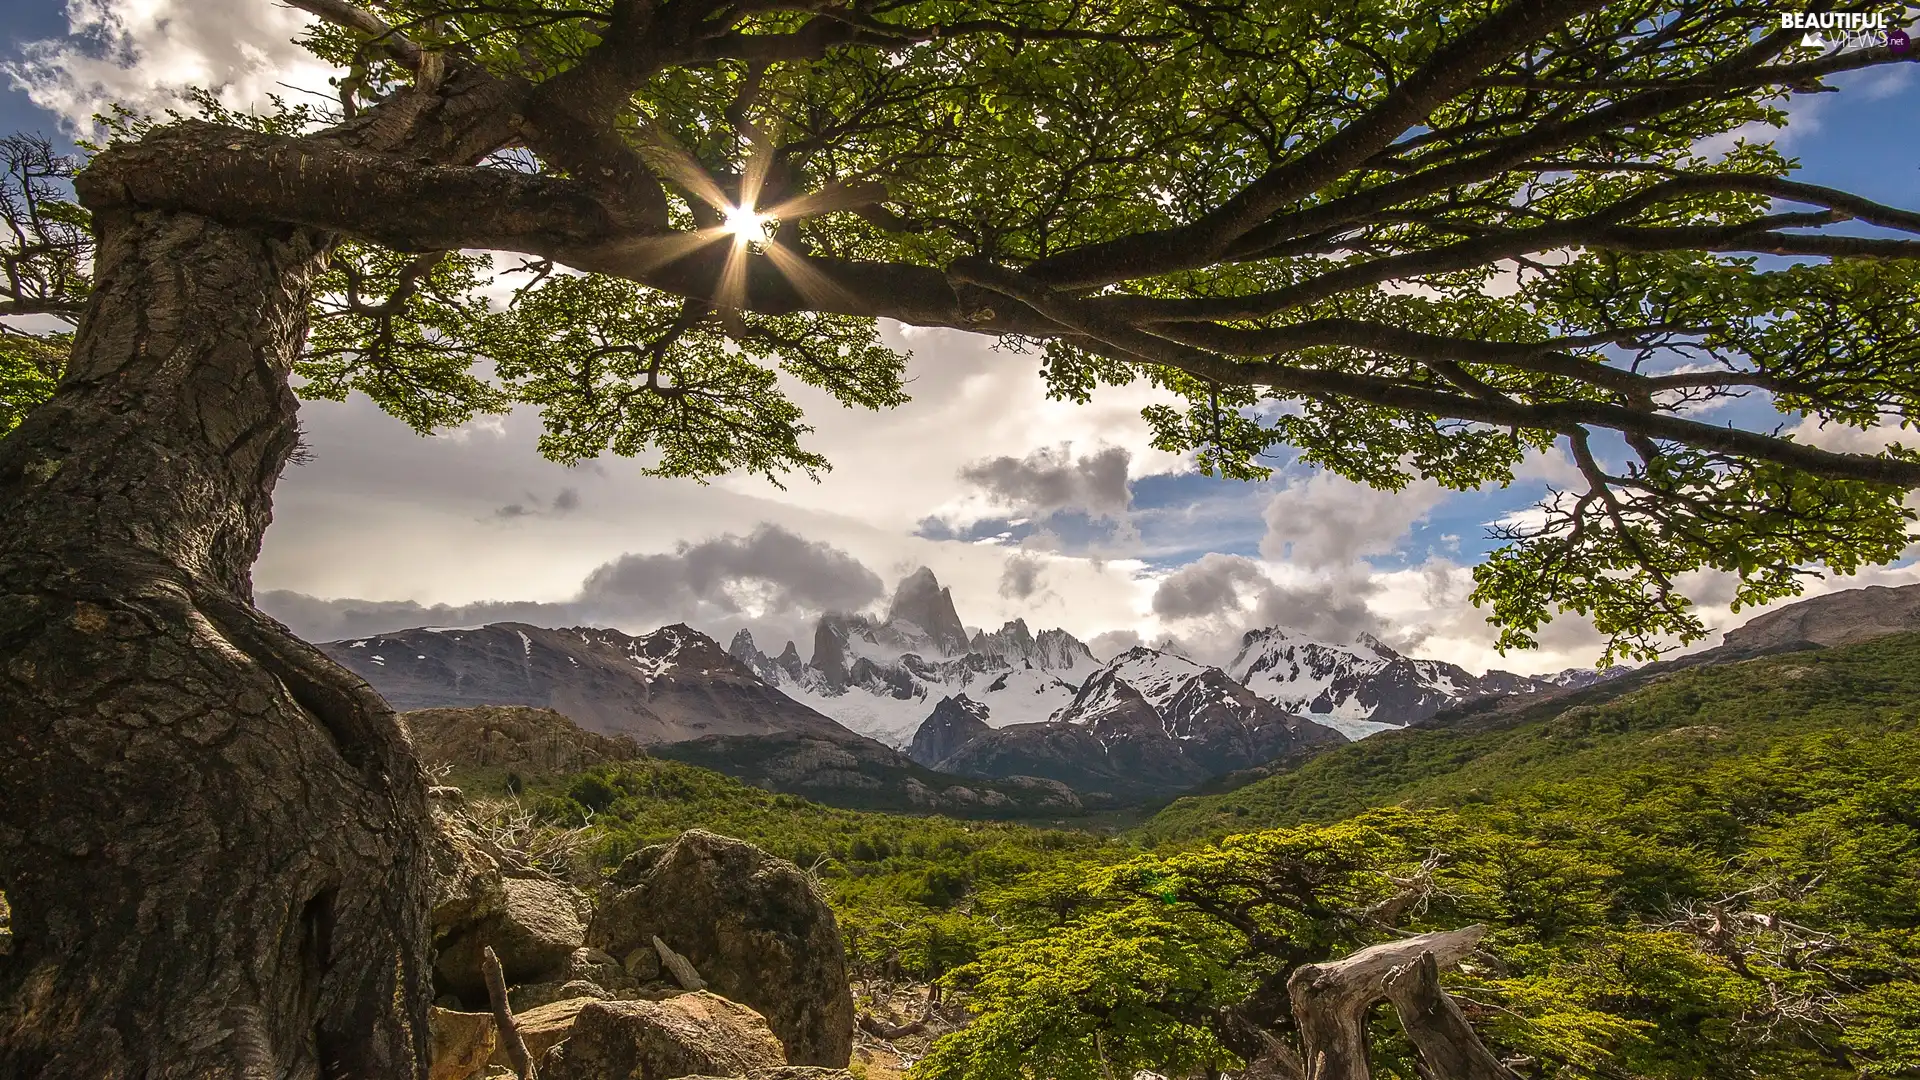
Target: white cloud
x=970 y=401
x=1326 y=520
x=1852 y=440
x=383 y=513
x=145 y=53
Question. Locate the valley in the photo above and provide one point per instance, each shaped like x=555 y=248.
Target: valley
x=1702 y=869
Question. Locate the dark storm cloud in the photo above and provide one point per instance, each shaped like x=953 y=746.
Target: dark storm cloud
x=780 y=575
x=1217 y=598
x=1051 y=479
x=1024 y=576
x=781 y=570
x=1210 y=585
x=532 y=506
x=1334 y=610
x=328 y=620
x=1112 y=643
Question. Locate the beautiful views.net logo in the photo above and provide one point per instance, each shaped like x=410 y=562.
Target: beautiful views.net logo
x=1846 y=30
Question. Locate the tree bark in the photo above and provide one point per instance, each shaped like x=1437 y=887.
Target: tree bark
x=1331 y=1001
x=211 y=837
x=1449 y=1048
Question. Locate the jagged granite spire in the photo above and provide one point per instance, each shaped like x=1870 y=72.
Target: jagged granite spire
x=923 y=602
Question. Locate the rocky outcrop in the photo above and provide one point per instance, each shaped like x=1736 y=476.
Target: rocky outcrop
x=749 y=927
x=880 y=677
x=771 y=669
x=693 y=1034
x=953 y=723
x=516 y=738
x=462 y=1043
x=922 y=602
x=484 y=896
x=466 y=868
x=1053 y=650
x=544 y=1027
x=534 y=932
x=1838 y=618
x=754 y=926
x=830 y=652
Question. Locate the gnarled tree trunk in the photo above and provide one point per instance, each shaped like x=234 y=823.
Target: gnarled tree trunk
x=1332 y=1003
x=211 y=837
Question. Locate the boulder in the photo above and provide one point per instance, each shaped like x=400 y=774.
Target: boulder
x=467 y=885
x=535 y=932
x=755 y=927
x=533 y=995
x=691 y=1034
x=601 y=969
x=643 y=964
x=461 y=1044
x=543 y=1028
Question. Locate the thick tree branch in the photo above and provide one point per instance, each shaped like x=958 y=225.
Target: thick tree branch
x=1200 y=242
x=1593 y=232
x=354 y=17
x=1448 y=1045
x=1854 y=206
x=1537 y=139
x=252 y=178
x=1558 y=416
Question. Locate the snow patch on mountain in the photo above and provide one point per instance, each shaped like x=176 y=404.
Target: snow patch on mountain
x=882 y=678
x=1366 y=687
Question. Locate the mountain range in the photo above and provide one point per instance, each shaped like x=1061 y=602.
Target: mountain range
x=884 y=677
x=914 y=710
x=677 y=693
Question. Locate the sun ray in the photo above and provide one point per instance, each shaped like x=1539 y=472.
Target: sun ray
x=759 y=163
x=815 y=287
x=838 y=195
x=677 y=164
x=647 y=253
x=730 y=292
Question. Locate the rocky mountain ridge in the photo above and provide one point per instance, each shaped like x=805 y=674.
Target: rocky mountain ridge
x=1369 y=686
x=489 y=696
x=670 y=685
x=884 y=677
x=994 y=723
x=1146 y=725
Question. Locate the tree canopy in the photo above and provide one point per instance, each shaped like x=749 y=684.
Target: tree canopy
x=1398 y=239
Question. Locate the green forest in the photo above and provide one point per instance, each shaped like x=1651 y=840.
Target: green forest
x=1715 y=873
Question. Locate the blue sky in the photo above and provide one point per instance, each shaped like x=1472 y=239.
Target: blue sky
x=379 y=512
